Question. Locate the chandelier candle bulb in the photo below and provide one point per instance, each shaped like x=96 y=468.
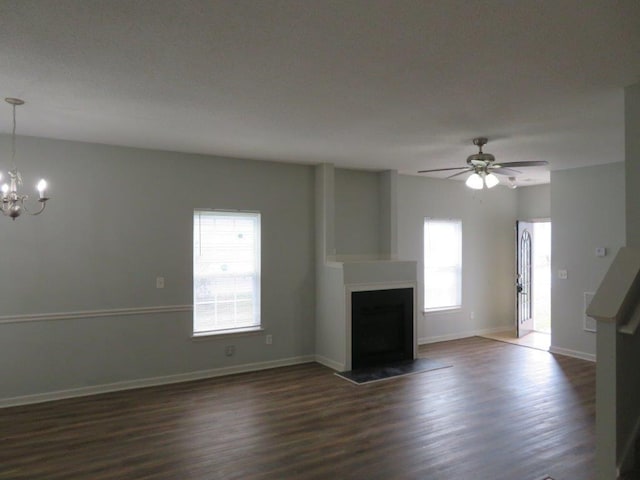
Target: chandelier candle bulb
x=42 y=186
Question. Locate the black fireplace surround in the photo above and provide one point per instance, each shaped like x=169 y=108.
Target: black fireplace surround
x=381 y=327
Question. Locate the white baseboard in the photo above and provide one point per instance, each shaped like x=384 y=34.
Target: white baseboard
x=153 y=381
x=456 y=336
x=459 y=335
x=337 y=366
x=572 y=353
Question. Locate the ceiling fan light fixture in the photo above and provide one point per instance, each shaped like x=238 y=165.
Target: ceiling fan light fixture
x=491 y=180
x=474 y=181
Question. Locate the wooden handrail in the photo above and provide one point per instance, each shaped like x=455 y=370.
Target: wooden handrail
x=631 y=327
x=617 y=299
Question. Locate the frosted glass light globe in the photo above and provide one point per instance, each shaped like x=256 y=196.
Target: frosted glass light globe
x=491 y=180
x=474 y=181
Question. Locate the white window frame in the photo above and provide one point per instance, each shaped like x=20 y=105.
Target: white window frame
x=442 y=260
x=249 y=268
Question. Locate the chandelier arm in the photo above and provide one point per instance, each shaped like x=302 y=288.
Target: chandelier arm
x=41 y=201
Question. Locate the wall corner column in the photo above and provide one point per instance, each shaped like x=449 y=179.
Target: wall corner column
x=389 y=213
x=325 y=212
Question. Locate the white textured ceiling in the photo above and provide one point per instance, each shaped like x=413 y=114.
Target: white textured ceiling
x=369 y=84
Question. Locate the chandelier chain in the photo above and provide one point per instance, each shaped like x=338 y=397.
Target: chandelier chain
x=13 y=139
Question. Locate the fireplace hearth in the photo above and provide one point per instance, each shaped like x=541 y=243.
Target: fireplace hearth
x=381 y=327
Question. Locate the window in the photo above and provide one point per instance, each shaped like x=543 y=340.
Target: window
x=442 y=264
x=226 y=271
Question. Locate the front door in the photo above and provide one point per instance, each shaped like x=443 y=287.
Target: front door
x=524 y=297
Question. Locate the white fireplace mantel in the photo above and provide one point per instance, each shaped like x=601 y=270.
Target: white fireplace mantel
x=338 y=281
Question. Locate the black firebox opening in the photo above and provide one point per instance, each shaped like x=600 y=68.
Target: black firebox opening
x=381 y=327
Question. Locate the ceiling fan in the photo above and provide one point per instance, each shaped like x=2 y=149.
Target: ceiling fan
x=483 y=168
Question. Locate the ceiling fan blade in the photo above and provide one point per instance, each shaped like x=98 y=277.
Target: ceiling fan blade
x=531 y=163
x=460 y=173
x=442 y=169
x=504 y=171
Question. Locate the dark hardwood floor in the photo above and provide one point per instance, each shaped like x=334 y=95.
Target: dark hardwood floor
x=500 y=412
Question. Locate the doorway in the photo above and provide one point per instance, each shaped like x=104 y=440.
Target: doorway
x=533 y=278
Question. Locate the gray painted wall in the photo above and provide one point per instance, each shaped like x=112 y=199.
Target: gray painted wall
x=357 y=213
x=118 y=218
x=587 y=211
x=488 y=251
x=534 y=202
x=388 y=201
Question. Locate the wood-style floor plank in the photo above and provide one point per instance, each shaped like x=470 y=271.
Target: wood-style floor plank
x=500 y=412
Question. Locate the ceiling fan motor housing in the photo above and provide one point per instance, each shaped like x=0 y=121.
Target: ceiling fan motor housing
x=480 y=159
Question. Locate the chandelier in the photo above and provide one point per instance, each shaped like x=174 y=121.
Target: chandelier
x=13 y=202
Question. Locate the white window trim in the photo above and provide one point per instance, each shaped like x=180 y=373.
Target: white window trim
x=232 y=332
x=449 y=308
x=455 y=309
x=241 y=331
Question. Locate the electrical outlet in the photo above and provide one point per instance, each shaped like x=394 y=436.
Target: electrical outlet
x=159 y=282
x=562 y=274
x=268 y=339
x=230 y=350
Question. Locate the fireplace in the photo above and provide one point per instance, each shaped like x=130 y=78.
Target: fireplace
x=381 y=327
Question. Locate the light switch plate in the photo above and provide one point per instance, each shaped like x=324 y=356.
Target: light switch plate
x=601 y=252
x=159 y=282
x=562 y=274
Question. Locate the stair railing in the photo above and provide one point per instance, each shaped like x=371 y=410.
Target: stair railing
x=616 y=307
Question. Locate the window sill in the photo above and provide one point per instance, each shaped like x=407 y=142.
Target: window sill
x=227 y=333
x=442 y=310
